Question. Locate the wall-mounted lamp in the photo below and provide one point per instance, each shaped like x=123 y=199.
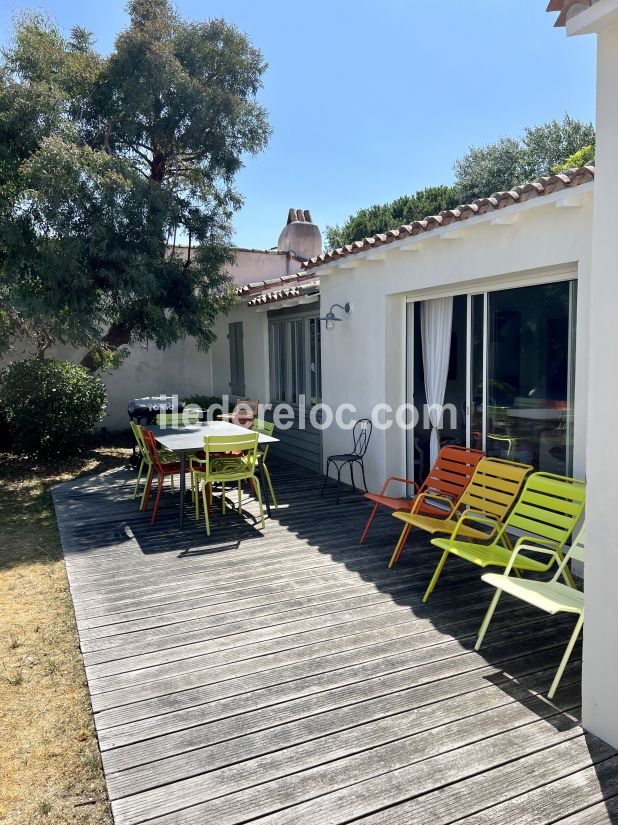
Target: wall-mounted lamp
x=330 y=316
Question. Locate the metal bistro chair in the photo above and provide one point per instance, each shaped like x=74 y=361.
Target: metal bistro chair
x=361 y=435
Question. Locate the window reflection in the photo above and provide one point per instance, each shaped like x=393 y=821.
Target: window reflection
x=528 y=392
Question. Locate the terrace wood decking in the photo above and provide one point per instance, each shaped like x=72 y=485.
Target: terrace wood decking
x=288 y=677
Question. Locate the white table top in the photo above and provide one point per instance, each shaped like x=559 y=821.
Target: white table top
x=191 y=437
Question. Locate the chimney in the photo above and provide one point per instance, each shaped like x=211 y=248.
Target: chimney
x=300 y=236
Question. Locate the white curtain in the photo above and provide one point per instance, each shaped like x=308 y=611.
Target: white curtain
x=436 y=326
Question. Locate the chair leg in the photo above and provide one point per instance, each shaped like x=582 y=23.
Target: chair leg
x=339 y=469
x=326 y=476
x=205 y=501
x=400 y=545
x=270 y=487
x=195 y=484
x=239 y=499
x=487 y=619
x=352 y=475
x=160 y=481
x=147 y=488
x=368 y=525
x=259 y=498
x=566 y=573
x=362 y=464
x=436 y=575
x=223 y=497
x=139 y=475
x=567 y=655
x=172 y=483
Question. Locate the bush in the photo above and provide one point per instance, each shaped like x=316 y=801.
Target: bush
x=50 y=406
x=583 y=157
x=203 y=401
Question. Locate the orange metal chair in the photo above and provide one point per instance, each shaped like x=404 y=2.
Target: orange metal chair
x=449 y=477
x=159 y=467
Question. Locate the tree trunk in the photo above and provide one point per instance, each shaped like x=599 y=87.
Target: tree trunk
x=117 y=335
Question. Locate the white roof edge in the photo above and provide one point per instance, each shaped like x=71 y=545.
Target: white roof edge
x=601 y=15
x=567 y=193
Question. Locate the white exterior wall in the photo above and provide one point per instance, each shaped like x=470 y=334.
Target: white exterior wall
x=183 y=369
x=363 y=358
x=600 y=672
x=255 y=345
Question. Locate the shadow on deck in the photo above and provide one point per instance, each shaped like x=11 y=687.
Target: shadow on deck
x=286 y=676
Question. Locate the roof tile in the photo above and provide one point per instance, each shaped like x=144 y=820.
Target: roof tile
x=567 y=179
x=568 y=9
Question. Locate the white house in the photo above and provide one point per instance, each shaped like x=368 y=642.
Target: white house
x=600 y=670
x=506 y=309
x=504 y=285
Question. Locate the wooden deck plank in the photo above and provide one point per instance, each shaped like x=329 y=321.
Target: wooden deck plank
x=349 y=729
x=137 y=685
x=484 y=792
x=288 y=677
x=255 y=710
x=254 y=624
x=586 y=787
x=352 y=786
x=603 y=813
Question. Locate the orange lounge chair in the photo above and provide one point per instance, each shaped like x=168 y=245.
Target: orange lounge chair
x=449 y=477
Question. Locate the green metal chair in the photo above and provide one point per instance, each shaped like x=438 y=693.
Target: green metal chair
x=227 y=458
x=165 y=456
x=552 y=596
x=267 y=428
x=178 y=419
x=546 y=513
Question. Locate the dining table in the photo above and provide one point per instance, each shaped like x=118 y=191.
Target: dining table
x=184 y=440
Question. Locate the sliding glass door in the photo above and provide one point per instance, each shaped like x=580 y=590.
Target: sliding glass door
x=530 y=375
x=510 y=378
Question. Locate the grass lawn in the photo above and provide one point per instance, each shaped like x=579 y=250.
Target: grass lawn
x=50 y=770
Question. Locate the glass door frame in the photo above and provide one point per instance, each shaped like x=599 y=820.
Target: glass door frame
x=569 y=275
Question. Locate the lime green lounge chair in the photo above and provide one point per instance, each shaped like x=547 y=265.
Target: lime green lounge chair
x=552 y=596
x=545 y=515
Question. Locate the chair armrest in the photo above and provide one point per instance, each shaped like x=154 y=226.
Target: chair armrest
x=193 y=462
x=550 y=548
x=433 y=497
x=401 y=480
x=480 y=518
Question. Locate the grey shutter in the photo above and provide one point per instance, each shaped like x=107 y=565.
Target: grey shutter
x=237 y=359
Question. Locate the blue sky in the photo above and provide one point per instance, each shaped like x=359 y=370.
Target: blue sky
x=369 y=101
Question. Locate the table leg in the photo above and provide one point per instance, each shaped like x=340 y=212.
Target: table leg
x=264 y=486
x=183 y=467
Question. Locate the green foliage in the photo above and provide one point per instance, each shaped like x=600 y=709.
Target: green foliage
x=499 y=166
x=50 y=406
x=203 y=401
x=105 y=162
x=484 y=170
x=380 y=218
x=583 y=157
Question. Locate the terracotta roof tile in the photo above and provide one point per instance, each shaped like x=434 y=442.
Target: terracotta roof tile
x=568 y=9
x=278 y=289
x=273 y=296
x=500 y=200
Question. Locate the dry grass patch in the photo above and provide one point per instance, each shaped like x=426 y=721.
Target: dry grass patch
x=50 y=769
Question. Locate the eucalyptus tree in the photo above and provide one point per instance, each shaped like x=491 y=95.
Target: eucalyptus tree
x=108 y=163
